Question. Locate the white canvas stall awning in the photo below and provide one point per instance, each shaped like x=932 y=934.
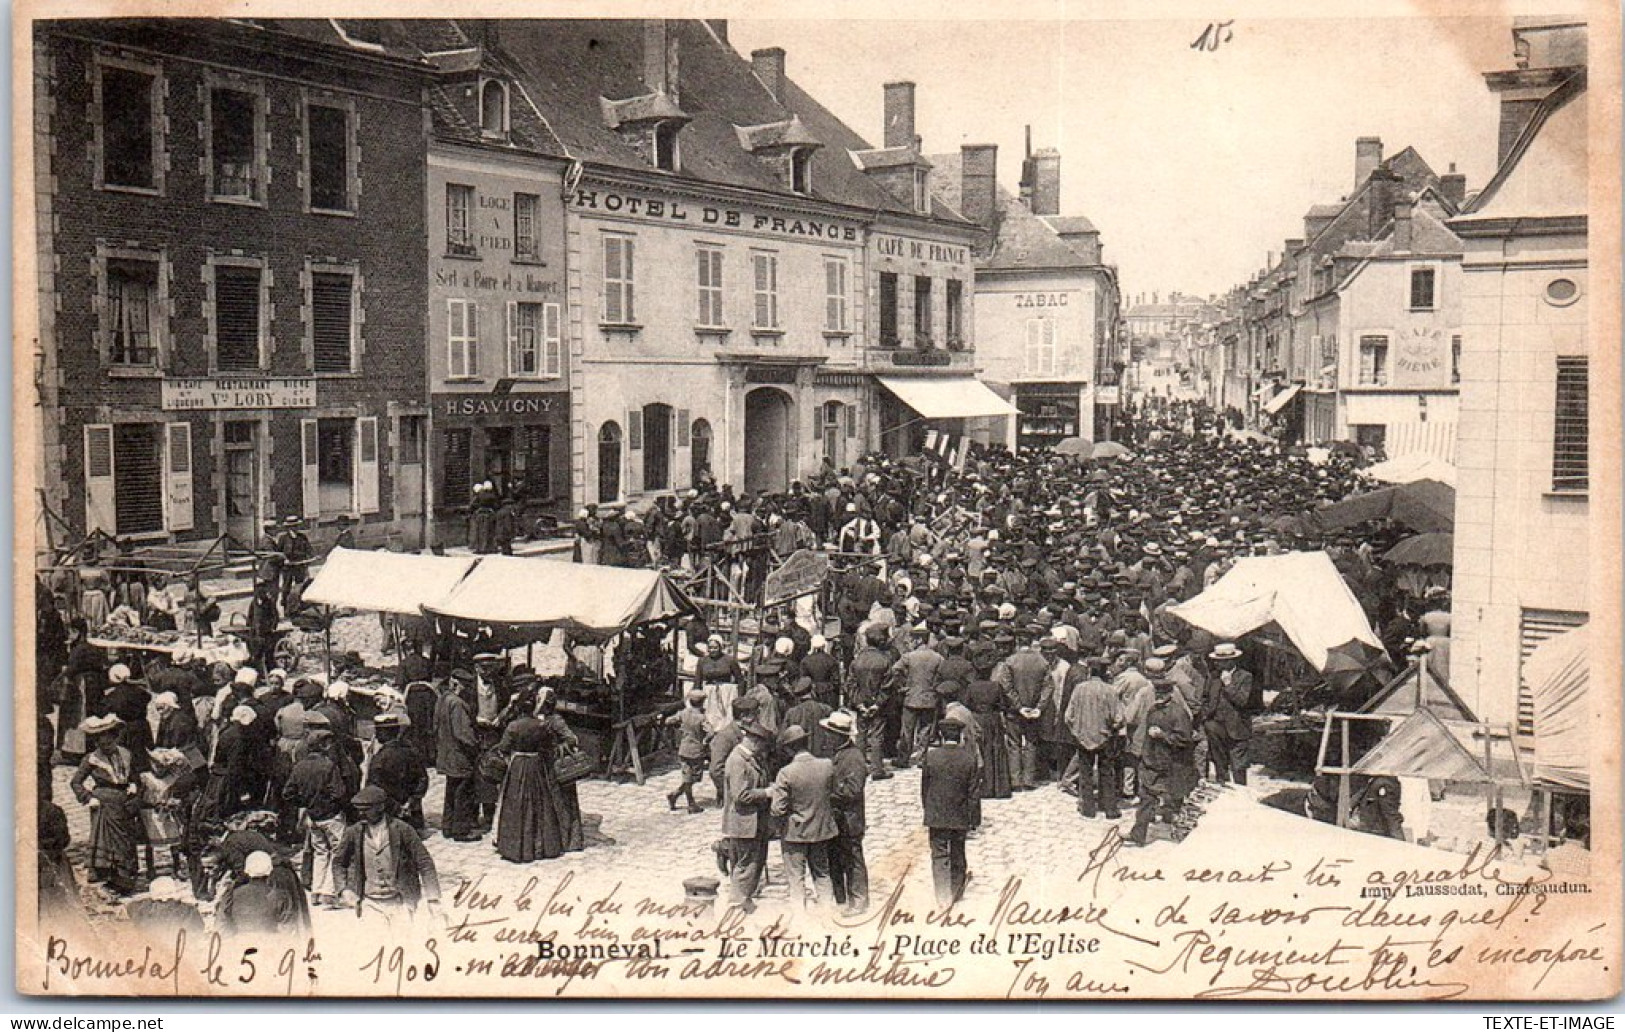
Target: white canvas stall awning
x=1559 y=672
x=1280 y=401
x=386 y=582
x=1301 y=592
x=957 y=397
x=534 y=593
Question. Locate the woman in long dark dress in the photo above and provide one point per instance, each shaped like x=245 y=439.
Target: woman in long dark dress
x=988 y=702
x=530 y=809
x=575 y=838
x=105 y=782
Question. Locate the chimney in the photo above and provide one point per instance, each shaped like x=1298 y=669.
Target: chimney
x=1402 y=224
x=1313 y=225
x=1367 y=156
x=1379 y=203
x=769 y=67
x=899 y=112
x=1047 y=182
x=719 y=26
x=659 y=58
x=1027 y=176
x=1453 y=185
x=979 y=181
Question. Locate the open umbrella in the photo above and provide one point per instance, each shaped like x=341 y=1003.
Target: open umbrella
x=1423 y=550
x=1075 y=446
x=1426 y=507
x=1109 y=450
x=1354 y=670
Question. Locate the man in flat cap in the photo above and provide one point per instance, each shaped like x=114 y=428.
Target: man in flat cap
x=384 y=871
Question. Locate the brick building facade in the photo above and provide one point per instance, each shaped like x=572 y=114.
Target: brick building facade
x=230 y=329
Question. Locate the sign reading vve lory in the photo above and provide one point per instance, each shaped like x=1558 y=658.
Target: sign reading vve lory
x=253 y=392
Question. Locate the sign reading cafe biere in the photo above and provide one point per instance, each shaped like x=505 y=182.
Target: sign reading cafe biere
x=251 y=392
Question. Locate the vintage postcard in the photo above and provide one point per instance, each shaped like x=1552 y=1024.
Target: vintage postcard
x=1047 y=501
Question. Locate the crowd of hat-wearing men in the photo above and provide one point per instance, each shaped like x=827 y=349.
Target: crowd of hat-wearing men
x=1007 y=631
x=1000 y=625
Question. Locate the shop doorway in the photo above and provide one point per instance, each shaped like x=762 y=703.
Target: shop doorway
x=767 y=440
x=241 y=440
x=656 y=447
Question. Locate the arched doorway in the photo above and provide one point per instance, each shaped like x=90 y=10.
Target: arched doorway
x=609 y=461
x=656 y=447
x=768 y=427
x=699 y=456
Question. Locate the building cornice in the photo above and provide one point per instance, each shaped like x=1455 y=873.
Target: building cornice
x=1518 y=225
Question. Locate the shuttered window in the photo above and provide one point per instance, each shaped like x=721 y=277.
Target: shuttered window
x=1571 y=469
x=237 y=318
x=709 y=282
x=922 y=310
x=536 y=455
x=835 y=295
x=955 y=293
x=1536 y=626
x=888 y=310
x=619 y=293
x=456 y=479
x=766 y=268
x=332 y=321
x=552 y=340
x=1041 y=347
x=524 y=338
x=138 y=470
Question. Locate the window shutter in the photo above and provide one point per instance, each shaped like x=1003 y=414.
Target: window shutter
x=472 y=314
x=514 y=366
x=366 y=464
x=178 y=476
x=851 y=421
x=553 y=341
x=311 y=478
x=682 y=428
x=100 y=512
x=634 y=429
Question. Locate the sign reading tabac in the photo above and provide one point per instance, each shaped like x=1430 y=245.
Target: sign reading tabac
x=254 y=392
x=802 y=574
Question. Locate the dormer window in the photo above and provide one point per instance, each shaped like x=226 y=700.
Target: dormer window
x=665 y=145
x=493 y=109
x=801 y=170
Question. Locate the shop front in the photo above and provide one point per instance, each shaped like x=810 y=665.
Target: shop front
x=1050 y=413
x=956 y=407
x=520 y=443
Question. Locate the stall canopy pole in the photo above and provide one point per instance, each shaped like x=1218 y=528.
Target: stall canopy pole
x=1343 y=782
x=327 y=640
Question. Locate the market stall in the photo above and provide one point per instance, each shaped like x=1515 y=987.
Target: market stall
x=615 y=702
x=1559 y=676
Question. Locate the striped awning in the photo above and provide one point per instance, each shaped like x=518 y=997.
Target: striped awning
x=1281 y=400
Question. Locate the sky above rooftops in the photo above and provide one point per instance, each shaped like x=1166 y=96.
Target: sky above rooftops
x=1194 y=164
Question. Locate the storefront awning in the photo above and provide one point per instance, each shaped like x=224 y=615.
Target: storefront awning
x=958 y=397
x=1279 y=402
x=1263 y=391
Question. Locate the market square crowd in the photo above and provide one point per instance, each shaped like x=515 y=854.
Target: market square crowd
x=1000 y=624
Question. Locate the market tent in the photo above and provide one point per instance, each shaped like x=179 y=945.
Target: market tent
x=1400 y=697
x=1407 y=469
x=1302 y=592
x=1559 y=675
x=540 y=594
x=385 y=582
x=1421 y=746
x=1426 y=506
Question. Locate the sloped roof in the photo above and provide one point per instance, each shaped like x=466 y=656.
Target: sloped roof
x=1067 y=224
x=1351 y=219
x=1021 y=240
x=1428 y=236
x=570 y=66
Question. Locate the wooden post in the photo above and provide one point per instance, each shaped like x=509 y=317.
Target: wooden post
x=1343 y=782
x=327 y=640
